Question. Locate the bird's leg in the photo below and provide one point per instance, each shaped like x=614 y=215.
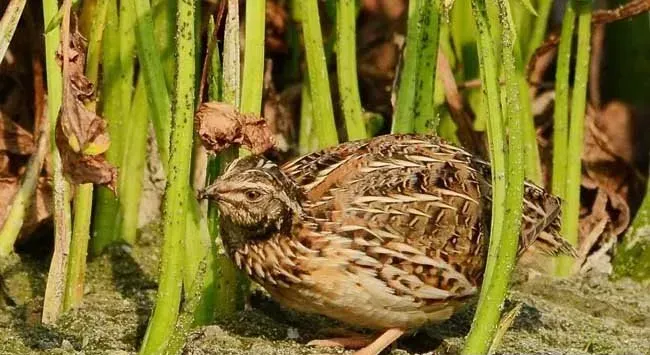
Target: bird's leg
x=382 y=342
x=349 y=342
x=367 y=345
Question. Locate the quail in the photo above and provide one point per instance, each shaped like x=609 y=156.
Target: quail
x=388 y=233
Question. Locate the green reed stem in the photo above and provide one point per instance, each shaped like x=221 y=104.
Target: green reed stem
x=539 y=28
x=175 y=202
x=106 y=216
x=251 y=100
x=346 y=68
x=133 y=163
x=151 y=63
x=414 y=109
x=324 y=125
x=571 y=213
x=504 y=240
x=54 y=289
x=561 y=109
x=228 y=282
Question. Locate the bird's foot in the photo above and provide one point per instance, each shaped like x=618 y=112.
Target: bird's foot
x=367 y=345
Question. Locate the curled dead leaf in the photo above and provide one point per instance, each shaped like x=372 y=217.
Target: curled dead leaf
x=84 y=130
x=220 y=125
x=15 y=139
x=81 y=169
x=81 y=134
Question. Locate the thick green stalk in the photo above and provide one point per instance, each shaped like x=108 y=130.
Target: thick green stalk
x=95 y=41
x=539 y=28
x=164 y=23
x=106 y=217
x=324 y=125
x=175 y=202
x=253 y=76
x=54 y=289
x=74 y=286
x=8 y=24
x=503 y=243
x=151 y=63
x=133 y=163
x=532 y=162
x=228 y=281
x=346 y=68
x=561 y=109
x=414 y=110
x=571 y=213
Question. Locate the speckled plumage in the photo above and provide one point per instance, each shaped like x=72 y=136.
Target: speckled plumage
x=390 y=232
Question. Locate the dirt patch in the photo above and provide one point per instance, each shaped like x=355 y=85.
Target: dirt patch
x=589 y=315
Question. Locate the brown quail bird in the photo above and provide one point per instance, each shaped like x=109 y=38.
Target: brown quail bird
x=387 y=233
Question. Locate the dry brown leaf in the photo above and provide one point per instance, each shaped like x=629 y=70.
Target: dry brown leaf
x=39 y=211
x=85 y=130
x=220 y=125
x=80 y=133
x=14 y=139
x=608 y=158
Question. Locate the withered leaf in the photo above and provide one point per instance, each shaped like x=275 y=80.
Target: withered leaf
x=40 y=209
x=220 y=125
x=80 y=168
x=84 y=130
x=81 y=134
x=15 y=139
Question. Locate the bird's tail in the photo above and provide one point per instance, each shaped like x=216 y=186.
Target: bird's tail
x=541 y=224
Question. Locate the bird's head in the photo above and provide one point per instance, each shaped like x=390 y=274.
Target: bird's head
x=255 y=199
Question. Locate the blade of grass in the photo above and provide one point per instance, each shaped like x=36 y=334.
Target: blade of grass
x=561 y=109
x=503 y=241
x=346 y=68
x=228 y=280
x=133 y=163
x=253 y=76
x=539 y=28
x=571 y=213
x=164 y=23
x=8 y=24
x=106 y=215
x=323 y=112
x=55 y=286
x=414 y=110
x=175 y=202
x=151 y=62
x=83 y=199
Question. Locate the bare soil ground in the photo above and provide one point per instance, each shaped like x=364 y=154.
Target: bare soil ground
x=586 y=315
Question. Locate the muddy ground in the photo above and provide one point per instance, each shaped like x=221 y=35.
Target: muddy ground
x=584 y=315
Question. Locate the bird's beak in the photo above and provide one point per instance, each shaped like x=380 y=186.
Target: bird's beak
x=210 y=192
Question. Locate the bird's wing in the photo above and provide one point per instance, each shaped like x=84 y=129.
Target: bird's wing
x=411 y=208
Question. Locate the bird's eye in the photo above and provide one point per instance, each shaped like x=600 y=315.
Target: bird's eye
x=252 y=195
